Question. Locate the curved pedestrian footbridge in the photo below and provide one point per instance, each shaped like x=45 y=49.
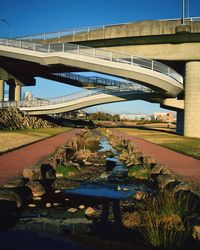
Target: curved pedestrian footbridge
x=148 y=72
x=81 y=100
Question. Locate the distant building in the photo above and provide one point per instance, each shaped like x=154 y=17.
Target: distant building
x=136 y=117
x=80 y=114
x=28 y=96
x=164 y=117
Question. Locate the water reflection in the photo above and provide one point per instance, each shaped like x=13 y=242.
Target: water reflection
x=117 y=186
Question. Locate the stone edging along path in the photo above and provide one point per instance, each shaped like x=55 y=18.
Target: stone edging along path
x=12 y=163
x=185 y=166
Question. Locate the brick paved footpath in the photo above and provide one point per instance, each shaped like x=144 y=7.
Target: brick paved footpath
x=185 y=166
x=12 y=163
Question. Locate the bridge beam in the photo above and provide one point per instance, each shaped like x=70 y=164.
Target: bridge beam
x=192 y=99
x=1 y=90
x=172 y=104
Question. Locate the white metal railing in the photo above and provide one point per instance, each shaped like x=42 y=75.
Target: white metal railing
x=95 y=53
x=104 y=82
x=77 y=31
x=71 y=97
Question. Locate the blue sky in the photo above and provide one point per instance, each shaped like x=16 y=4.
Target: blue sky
x=37 y=16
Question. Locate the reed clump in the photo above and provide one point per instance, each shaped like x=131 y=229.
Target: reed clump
x=165 y=220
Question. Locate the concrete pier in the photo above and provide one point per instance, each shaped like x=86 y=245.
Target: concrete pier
x=1 y=90
x=180 y=122
x=11 y=84
x=192 y=100
x=17 y=92
x=14 y=90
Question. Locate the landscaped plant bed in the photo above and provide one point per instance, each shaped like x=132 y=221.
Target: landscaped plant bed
x=165 y=217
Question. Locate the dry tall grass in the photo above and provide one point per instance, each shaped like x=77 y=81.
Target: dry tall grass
x=164 y=220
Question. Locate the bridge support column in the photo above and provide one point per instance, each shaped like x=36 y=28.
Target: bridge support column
x=1 y=90
x=14 y=90
x=17 y=92
x=11 y=91
x=192 y=99
x=180 y=122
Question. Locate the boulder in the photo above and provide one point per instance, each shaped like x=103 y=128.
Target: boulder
x=166 y=181
x=51 y=161
x=118 y=188
x=31 y=205
x=47 y=171
x=184 y=190
x=89 y=211
x=71 y=174
x=32 y=173
x=10 y=195
x=12 y=118
x=14 y=183
x=166 y=171
x=148 y=161
x=131 y=147
x=105 y=175
x=57 y=191
x=36 y=188
x=196 y=232
x=182 y=187
x=81 y=207
x=194 y=223
x=43 y=172
x=37 y=198
x=48 y=205
x=120 y=174
x=59 y=175
x=56 y=204
x=62 y=155
x=156 y=170
x=140 y=195
x=110 y=164
x=72 y=210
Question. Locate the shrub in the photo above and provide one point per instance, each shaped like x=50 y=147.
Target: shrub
x=164 y=220
x=139 y=172
x=67 y=171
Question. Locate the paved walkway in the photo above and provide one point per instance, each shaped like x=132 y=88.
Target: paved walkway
x=185 y=166
x=12 y=163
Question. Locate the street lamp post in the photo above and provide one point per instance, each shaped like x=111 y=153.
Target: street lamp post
x=11 y=30
x=183 y=12
x=184 y=27
x=188 y=8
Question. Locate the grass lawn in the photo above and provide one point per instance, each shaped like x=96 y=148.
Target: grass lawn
x=13 y=139
x=186 y=145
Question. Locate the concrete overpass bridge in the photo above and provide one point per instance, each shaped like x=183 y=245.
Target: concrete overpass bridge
x=166 y=41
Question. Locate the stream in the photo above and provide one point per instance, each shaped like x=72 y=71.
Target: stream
x=98 y=209
x=114 y=183
x=63 y=212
